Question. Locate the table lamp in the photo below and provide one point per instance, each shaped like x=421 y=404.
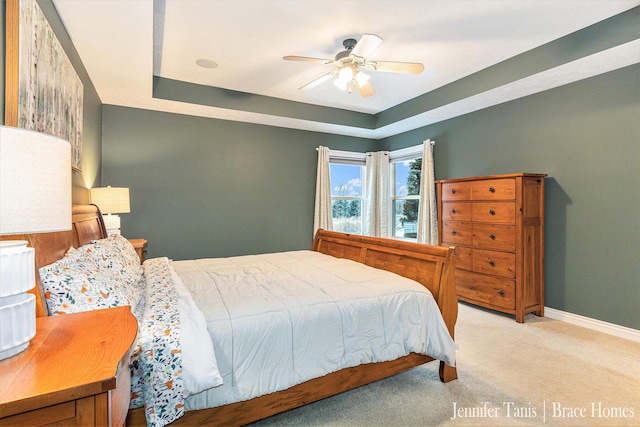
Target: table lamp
x=35 y=197
x=111 y=200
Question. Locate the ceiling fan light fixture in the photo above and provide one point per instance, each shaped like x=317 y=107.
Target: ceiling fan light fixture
x=345 y=75
x=340 y=84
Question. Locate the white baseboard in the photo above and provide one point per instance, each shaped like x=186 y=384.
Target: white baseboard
x=596 y=325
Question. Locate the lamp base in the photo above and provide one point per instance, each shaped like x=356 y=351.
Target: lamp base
x=17 y=271
x=13 y=351
x=17 y=307
x=112 y=224
x=18 y=321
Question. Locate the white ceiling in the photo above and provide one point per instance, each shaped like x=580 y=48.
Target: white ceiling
x=119 y=41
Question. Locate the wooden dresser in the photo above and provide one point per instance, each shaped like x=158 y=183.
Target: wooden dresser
x=75 y=372
x=497 y=224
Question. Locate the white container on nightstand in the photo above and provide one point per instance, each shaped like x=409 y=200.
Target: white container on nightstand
x=17 y=307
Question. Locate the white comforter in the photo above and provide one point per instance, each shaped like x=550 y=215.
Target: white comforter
x=277 y=320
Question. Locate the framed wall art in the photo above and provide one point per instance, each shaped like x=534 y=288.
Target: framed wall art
x=43 y=91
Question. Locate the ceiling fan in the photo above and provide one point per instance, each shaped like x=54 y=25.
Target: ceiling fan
x=351 y=62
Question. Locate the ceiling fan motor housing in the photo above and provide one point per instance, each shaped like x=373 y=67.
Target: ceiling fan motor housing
x=349 y=43
x=343 y=54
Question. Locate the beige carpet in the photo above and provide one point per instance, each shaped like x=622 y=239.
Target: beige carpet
x=542 y=372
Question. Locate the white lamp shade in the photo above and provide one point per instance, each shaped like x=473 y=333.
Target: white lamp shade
x=111 y=200
x=35 y=182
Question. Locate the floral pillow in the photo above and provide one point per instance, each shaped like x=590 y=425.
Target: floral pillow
x=115 y=258
x=73 y=286
x=116 y=253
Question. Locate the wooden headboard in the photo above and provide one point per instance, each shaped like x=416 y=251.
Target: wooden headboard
x=87 y=225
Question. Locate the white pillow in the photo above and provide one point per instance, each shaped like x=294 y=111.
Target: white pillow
x=199 y=364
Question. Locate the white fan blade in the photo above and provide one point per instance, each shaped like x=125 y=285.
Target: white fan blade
x=318 y=81
x=366 y=45
x=366 y=89
x=397 y=67
x=306 y=59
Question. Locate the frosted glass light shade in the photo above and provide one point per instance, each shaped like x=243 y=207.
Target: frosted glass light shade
x=35 y=182
x=111 y=200
x=345 y=74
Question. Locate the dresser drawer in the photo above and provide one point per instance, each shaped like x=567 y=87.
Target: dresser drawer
x=489 y=236
x=456 y=211
x=493 y=262
x=456 y=191
x=61 y=414
x=464 y=257
x=493 y=189
x=457 y=233
x=494 y=212
x=495 y=291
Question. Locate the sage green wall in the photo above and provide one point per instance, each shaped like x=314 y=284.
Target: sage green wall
x=586 y=137
x=92 y=107
x=202 y=187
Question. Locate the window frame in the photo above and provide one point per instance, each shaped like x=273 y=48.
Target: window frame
x=405 y=154
x=353 y=159
x=359 y=159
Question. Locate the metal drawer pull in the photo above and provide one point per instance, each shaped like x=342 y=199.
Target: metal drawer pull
x=453 y=232
x=491 y=262
x=492 y=236
x=453 y=190
x=492 y=212
x=491 y=189
x=501 y=292
x=453 y=211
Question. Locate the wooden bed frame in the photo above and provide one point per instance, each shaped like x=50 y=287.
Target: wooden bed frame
x=432 y=266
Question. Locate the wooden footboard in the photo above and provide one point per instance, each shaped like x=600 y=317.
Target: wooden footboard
x=432 y=266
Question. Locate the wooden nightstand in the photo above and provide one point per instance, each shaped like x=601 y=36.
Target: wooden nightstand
x=140 y=246
x=74 y=372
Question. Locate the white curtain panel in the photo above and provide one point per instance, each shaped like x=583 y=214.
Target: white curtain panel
x=322 y=214
x=375 y=210
x=427 y=210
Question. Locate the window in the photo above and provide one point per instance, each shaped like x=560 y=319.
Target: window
x=346 y=197
x=405 y=197
x=347 y=170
